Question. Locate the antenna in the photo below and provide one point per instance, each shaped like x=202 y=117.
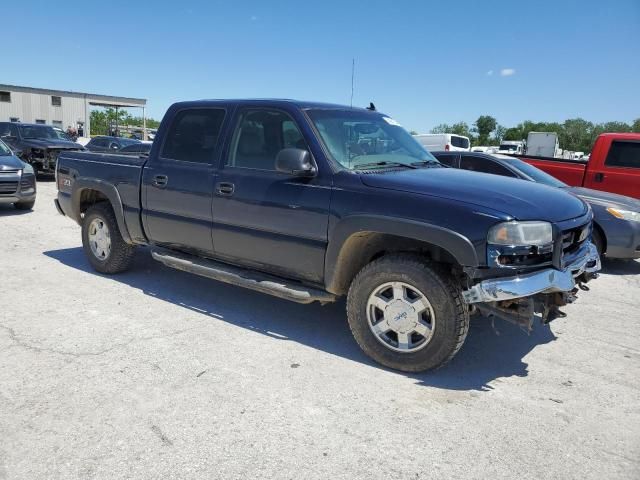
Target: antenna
x=353 y=70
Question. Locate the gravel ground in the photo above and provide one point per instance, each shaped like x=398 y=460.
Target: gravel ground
x=160 y=374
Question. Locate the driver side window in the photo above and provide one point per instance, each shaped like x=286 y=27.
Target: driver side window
x=260 y=135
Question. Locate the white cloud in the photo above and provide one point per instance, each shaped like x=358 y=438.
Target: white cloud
x=254 y=18
x=507 y=72
x=490 y=72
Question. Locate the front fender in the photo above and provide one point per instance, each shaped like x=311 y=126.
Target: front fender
x=337 y=265
x=109 y=190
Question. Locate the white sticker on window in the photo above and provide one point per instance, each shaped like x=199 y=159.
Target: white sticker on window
x=391 y=121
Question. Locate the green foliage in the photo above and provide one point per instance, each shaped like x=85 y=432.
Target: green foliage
x=485 y=124
x=102 y=119
x=635 y=126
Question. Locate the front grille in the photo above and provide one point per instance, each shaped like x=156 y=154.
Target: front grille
x=26 y=183
x=573 y=239
x=8 y=187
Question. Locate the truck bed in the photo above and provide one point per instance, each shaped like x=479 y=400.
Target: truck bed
x=570 y=172
x=122 y=171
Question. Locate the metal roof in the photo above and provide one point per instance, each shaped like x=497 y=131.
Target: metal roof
x=90 y=96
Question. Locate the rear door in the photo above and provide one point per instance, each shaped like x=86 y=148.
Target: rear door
x=177 y=181
x=620 y=171
x=266 y=219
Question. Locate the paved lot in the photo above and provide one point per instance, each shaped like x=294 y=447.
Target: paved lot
x=159 y=374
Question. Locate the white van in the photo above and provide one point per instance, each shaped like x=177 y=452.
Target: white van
x=438 y=142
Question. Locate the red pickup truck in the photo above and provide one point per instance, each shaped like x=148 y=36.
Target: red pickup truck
x=614 y=165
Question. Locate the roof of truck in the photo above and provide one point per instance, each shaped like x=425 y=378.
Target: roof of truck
x=274 y=102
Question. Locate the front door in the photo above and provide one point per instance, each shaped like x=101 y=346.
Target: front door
x=263 y=218
x=178 y=181
x=620 y=172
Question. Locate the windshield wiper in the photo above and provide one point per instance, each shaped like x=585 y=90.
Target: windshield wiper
x=428 y=162
x=386 y=164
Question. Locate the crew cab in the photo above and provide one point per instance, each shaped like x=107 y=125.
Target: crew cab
x=312 y=202
x=38 y=145
x=613 y=166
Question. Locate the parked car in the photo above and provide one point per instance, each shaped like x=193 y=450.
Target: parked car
x=17 y=180
x=616 y=217
x=142 y=148
x=39 y=144
x=613 y=165
x=312 y=202
x=109 y=144
x=443 y=141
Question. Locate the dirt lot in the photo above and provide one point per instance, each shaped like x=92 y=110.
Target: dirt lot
x=160 y=374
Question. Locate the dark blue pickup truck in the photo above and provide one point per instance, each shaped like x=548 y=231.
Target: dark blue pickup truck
x=311 y=202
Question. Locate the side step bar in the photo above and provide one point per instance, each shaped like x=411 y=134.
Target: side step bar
x=243 y=278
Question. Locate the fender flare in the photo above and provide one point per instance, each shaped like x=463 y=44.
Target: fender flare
x=457 y=245
x=108 y=190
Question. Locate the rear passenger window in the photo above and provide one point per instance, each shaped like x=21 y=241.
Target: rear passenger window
x=459 y=142
x=624 y=154
x=193 y=135
x=449 y=160
x=484 y=165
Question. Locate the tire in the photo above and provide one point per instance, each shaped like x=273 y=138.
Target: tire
x=118 y=255
x=448 y=313
x=25 y=205
x=598 y=241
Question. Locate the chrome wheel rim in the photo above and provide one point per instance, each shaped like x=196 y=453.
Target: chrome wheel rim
x=400 y=317
x=99 y=239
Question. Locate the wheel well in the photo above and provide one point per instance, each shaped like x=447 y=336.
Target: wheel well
x=364 y=247
x=598 y=229
x=89 y=197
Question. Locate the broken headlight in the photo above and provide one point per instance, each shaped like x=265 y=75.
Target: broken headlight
x=516 y=244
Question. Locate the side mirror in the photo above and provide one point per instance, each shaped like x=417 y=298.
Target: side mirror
x=295 y=162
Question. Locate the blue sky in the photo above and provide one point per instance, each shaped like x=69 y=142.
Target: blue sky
x=422 y=62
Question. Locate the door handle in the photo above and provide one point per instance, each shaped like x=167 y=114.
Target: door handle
x=598 y=177
x=160 y=180
x=225 y=188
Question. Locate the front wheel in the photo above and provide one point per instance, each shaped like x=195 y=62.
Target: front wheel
x=102 y=242
x=406 y=313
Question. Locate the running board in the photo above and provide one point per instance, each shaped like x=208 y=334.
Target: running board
x=242 y=277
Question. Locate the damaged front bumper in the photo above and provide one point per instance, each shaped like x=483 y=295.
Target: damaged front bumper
x=545 y=281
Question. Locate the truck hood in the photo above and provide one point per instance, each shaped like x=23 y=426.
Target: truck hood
x=606 y=199
x=9 y=162
x=50 y=144
x=518 y=198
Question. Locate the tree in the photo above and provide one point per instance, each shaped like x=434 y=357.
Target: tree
x=413 y=132
x=442 y=128
x=485 y=124
x=460 y=128
x=498 y=135
x=577 y=135
x=635 y=127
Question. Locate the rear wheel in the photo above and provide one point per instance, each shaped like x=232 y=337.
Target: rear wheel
x=406 y=313
x=102 y=242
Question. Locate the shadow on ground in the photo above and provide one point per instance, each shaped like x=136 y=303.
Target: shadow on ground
x=8 y=210
x=615 y=266
x=489 y=352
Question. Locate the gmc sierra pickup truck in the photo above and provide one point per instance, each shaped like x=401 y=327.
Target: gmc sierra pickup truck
x=613 y=166
x=311 y=202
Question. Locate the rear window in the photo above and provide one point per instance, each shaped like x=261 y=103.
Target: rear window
x=624 y=154
x=459 y=142
x=193 y=135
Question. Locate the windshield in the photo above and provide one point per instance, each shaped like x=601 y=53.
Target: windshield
x=4 y=150
x=510 y=148
x=44 y=132
x=356 y=138
x=535 y=173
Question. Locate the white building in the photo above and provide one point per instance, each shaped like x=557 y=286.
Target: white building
x=57 y=107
